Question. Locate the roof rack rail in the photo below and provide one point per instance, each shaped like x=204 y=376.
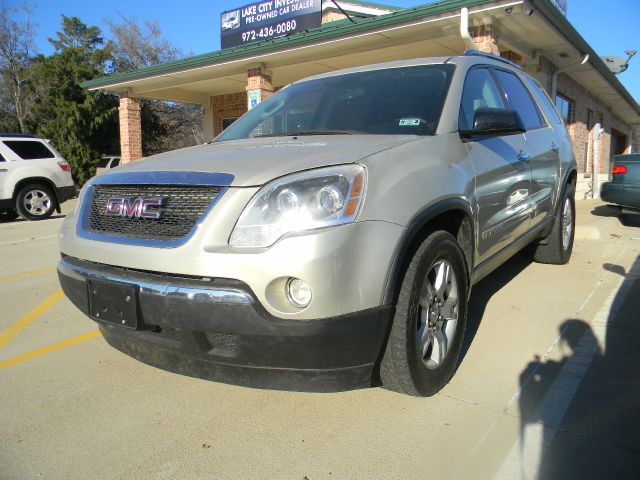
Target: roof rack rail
x=478 y=53
x=17 y=135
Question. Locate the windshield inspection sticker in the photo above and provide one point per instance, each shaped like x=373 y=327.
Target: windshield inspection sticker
x=409 y=122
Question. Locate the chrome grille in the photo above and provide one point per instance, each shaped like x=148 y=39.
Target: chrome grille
x=183 y=206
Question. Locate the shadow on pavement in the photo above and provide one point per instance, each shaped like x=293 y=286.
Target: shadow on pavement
x=4 y=219
x=589 y=402
x=627 y=218
x=487 y=288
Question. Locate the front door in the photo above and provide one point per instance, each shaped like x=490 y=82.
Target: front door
x=502 y=170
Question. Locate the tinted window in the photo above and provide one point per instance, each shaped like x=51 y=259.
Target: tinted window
x=29 y=150
x=479 y=91
x=115 y=162
x=519 y=99
x=2 y=158
x=543 y=100
x=405 y=100
x=103 y=162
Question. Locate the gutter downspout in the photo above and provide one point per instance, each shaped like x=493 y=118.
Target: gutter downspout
x=595 y=191
x=554 y=77
x=464 y=29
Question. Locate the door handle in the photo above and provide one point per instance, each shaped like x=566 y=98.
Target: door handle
x=524 y=156
x=555 y=148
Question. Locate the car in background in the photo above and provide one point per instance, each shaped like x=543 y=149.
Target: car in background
x=106 y=163
x=624 y=187
x=34 y=178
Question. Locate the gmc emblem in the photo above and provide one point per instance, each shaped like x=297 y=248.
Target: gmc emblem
x=134 y=207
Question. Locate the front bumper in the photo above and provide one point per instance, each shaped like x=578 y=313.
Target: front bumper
x=217 y=330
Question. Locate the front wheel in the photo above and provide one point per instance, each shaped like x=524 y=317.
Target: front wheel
x=430 y=320
x=35 y=202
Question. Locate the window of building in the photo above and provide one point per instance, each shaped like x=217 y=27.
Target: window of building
x=29 y=150
x=564 y=104
x=591 y=117
x=519 y=99
x=227 y=121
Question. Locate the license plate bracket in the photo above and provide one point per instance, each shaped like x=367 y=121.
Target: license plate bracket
x=114 y=302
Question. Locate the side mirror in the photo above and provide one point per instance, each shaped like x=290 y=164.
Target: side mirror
x=494 y=121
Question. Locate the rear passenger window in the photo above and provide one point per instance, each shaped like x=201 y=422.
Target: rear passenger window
x=115 y=162
x=519 y=99
x=2 y=158
x=29 y=150
x=543 y=100
x=479 y=91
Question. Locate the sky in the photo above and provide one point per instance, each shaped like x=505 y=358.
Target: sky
x=610 y=27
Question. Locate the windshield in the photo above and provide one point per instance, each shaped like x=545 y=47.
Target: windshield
x=394 y=101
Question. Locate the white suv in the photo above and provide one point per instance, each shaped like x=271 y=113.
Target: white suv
x=34 y=178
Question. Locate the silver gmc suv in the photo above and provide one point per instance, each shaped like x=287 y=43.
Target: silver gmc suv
x=330 y=237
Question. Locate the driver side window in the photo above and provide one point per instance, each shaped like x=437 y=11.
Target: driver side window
x=479 y=91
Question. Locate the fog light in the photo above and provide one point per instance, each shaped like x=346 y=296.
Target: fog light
x=298 y=292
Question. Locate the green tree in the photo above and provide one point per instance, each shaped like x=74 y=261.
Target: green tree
x=81 y=124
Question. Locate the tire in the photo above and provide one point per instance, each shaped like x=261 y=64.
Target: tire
x=8 y=215
x=558 y=245
x=413 y=362
x=35 y=202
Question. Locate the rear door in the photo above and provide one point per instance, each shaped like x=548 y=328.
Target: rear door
x=542 y=146
x=503 y=180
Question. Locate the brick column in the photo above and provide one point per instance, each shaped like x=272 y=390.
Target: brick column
x=208 y=130
x=486 y=38
x=512 y=56
x=130 y=129
x=259 y=86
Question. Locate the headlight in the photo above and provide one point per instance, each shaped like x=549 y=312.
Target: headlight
x=304 y=201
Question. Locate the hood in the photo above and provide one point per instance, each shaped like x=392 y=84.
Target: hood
x=253 y=162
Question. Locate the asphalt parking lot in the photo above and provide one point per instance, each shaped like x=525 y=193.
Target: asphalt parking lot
x=547 y=387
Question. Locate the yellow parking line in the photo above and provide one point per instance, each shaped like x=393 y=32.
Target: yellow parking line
x=10 y=333
x=10 y=362
x=27 y=274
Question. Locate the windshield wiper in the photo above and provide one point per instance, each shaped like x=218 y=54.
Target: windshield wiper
x=307 y=133
x=324 y=132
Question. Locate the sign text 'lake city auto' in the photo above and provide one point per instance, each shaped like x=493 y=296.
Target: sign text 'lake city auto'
x=268 y=19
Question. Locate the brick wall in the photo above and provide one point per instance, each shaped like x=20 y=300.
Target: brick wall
x=230 y=105
x=130 y=129
x=486 y=38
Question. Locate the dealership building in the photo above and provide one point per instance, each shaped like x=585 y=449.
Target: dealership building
x=272 y=43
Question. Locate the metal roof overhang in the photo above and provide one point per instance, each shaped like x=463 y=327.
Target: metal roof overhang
x=430 y=30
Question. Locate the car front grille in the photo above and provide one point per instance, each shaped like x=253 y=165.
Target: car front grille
x=182 y=208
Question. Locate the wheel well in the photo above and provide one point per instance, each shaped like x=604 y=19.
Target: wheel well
x=36 y=180
x=456 y=221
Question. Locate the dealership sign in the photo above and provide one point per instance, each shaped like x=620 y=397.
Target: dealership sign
x=269 y=19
